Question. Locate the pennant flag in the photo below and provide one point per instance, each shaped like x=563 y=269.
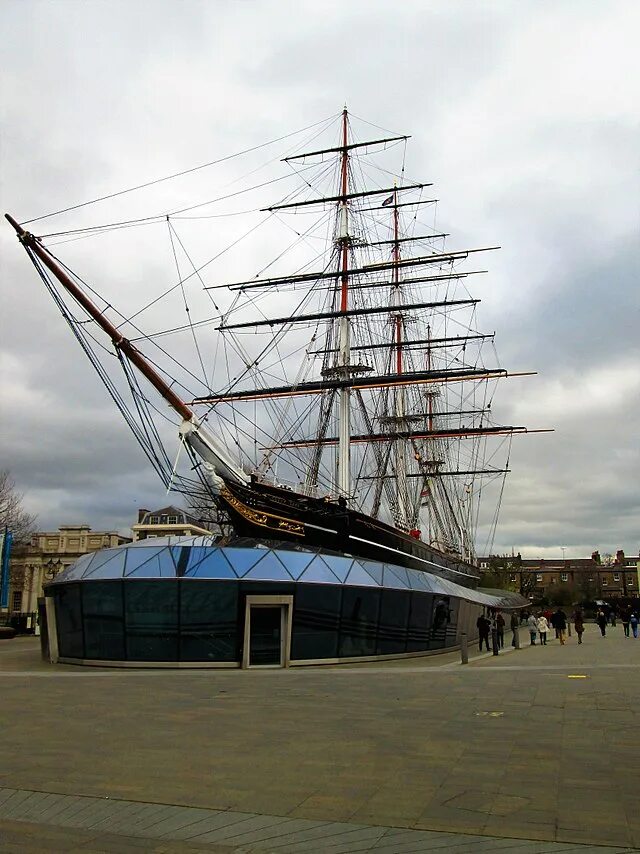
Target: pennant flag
x=388 y=201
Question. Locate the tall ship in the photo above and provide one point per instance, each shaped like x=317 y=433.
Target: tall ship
x=339 y=398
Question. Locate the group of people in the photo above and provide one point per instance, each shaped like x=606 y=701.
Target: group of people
x=628 y=617
x=495 y=621
x=542 y=624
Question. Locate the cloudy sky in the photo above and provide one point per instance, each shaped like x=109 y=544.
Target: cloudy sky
x=523 y=114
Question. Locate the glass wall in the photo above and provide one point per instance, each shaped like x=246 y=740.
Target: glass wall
x=184 y=619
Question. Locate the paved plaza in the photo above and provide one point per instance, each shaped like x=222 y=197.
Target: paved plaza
x=534 y=751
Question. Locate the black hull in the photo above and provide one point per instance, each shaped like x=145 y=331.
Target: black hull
x=262 y=511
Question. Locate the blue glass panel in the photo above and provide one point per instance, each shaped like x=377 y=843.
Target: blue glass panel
x=393 y=579
x=99 y=558
x=82 y=565
x=340 y=566
x=153 y=568
x=295 y=562
x=401 y=574
x=269 y=568
x=374 y=570
x=112 y=568
x=214 y=565
x=417 y=581
x=243 y=559
x=138 y=557
x=359 y=577
x=318 y=571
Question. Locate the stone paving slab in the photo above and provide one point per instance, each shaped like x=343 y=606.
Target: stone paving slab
x=118 y=828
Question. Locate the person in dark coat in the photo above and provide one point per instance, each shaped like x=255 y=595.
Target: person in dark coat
x=483 y=625
x=500 y=624
x=559 y=622
x=625 y=615
x=601 y=620
x=515 y=622
x=578 y=622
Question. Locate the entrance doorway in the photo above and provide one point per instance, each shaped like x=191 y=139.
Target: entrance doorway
x=267 y=631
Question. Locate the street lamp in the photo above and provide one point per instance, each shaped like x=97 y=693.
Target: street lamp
x=52 y=568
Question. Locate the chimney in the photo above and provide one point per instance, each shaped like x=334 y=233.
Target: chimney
x=620 y=556
x=595 y=557
x=141 y=514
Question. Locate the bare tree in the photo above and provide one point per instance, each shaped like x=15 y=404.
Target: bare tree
x=13 y=515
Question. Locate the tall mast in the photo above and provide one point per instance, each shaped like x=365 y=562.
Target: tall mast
x=399 y=392
x=344 y=432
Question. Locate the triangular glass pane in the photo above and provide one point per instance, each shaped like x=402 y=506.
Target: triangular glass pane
x=82 y=565
x=152 y=568
x=296 y=562
x=318 y=571
x=417 y=581
x=340 y=566
x=243 y=559
x=374 y=570
x=359 y=577
x=395 y=578
x=269 y=569
x=102 y=558
x=138 y=557
x=214 y=565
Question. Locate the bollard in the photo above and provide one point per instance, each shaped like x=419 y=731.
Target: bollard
x=569 y=628
x=516 y=637
x=464 y=651
x=494 y=641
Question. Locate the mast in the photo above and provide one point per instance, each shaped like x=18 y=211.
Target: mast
x=402 y=496
x=344 y=432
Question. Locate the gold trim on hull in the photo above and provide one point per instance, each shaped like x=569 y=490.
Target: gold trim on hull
x=260 y=518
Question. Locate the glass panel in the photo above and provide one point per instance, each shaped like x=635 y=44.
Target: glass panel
x=214 y=565
x=151 y=609
x=340 y=566
x=156 y=567
x=439 y=621
x=359 y=623
x=316 y=620
x=243 y=559
x=417 y=581
x=374 y=570
x=102 y=558
x=138 y=557
x=395 y=579
x=77 y=569
x=265 y=635
x=319 y=571
x=359 y=577
x=269 y=568
x=296 y=562
x=69 y=620
x=393 y=623
x=419 y=622
x=209 y=621
x=103 y=619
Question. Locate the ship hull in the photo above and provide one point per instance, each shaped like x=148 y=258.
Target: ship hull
x=269 y=512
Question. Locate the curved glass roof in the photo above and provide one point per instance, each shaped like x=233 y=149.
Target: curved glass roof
x=201 y=557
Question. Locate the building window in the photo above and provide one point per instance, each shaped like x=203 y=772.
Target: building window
x=630 y=582
x=483 y=564
x=172 y=520
x=513 y=577
x=539 y=577
x=616 y=576
x=564 y=576
x=591 y=578
x=604 y=582
x=153 y=520
x=16 y=600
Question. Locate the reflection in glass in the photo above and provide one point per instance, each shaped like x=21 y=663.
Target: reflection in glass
x=359 y=621
x=208 y=621
x=419 y=622
x=394 y=617
x=103 y=619
x=151 y=609
x=316 y=620
x=69 y=621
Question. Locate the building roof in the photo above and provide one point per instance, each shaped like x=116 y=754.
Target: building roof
x=201 y=557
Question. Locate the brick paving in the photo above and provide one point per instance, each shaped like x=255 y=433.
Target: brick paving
x=533 y=751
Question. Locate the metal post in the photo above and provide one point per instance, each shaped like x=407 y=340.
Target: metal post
x=494 y=640
x=464 y=651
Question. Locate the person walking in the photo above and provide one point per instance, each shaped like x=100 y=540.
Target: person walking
x=532 y=625
x=612 y=617
x=578 y=622
x=514 y=623
x=560 y=624
x=633 y=619
x=625 y=616
x=500 y=624
x=483 y=625
x=601 y=620
x=543 y=628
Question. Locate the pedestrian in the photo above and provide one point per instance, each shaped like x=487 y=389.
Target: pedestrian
x=543 y=628
x=515 y=622
x=559 y=620
x=612 y=617
x=578 y=622
x=532 y=623
x=500 y=624
x=483 y=625
x=625 y=616
x=634 y=624
x=601 y=620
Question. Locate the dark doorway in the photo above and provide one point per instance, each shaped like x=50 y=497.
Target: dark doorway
x=265 y=644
